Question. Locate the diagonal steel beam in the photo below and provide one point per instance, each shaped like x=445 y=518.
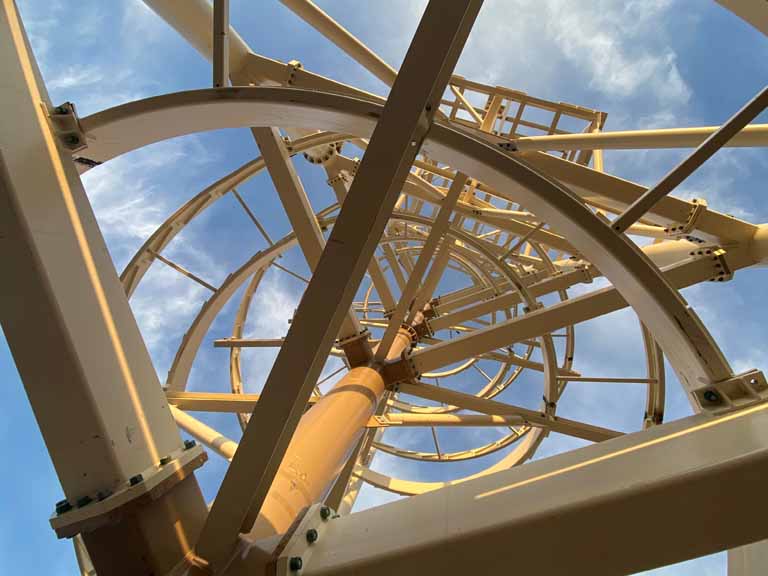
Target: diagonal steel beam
x=495 y=408
x=404 y=123
x=703 y=152
x=569 y=312
x=437 y=232
x=340 y=187
x=289 y=188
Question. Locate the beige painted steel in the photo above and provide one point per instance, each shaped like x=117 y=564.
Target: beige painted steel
x=684 y=169
x=402 y=127
x=573 y=499
x=53 y=244
x=643 y=286
x=194 y=21
x=294 y=199
x=755 y=135
x=328 y=27
x=105 y=420
x=756 y=13
x=322 y=445
x=222 y=445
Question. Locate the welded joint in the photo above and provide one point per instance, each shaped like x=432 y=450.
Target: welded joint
x=66 y=126
x=357 y=349
x=295 y=553
x=734 y=393
x=400 y=370
x=721 y=271
x=683 y=230
x=107 y=506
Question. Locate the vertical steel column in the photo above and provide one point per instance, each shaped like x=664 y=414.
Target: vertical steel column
x=74 y=339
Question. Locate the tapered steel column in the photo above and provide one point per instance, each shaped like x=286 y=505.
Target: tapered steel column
x=322 y=443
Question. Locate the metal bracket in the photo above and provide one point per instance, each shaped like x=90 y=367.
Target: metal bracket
x=293 y=66
x=356 y=349
x=740 y=391
x=297 y=551
x=93 y=511
x=683 y=230
x=402 y=370
x=721 y=271
x=67 y=127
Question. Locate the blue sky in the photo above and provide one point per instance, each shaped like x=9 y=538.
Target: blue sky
x=651 y=63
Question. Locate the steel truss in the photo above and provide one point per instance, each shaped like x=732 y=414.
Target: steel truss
x=457 y=180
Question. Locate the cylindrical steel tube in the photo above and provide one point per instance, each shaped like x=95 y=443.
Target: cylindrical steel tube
x=322 y=444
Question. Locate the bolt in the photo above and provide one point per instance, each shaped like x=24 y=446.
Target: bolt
x=189 y=444
x=83 y=501
x=712 y=396
x=165 y=460
x=103 y=495
x=72 y=139
x=60 y=110
x=325 y=512
x=295 y=563
x=138 y=479
x=312 y=535
x=63 y=506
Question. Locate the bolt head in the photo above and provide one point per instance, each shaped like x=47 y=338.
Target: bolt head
x=189 y=444
x=72 y=139
x=295 y=563
x=62 y=507
x=165 y=460
x=84 y=501
x=312 y=535
x=325 y=512
x=711 y=396
x=138 y=479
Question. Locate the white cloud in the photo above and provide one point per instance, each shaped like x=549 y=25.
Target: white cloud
x=75 y=77
x=616 y=48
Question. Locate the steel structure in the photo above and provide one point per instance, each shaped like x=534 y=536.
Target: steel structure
x=458 y=180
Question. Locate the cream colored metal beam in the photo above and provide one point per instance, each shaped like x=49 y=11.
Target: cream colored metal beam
x=340 y=186
x=421 y=420
x=95 y=394
x=577 y=498
x=220 y=444
x=684 y=340
x=604 y=190
x=557 y=316
x=436 y=233
x=756 y=13
x=194 y=21
x=755 y=135
x=289 y=188
x=703 y=152
x=340 y=36
x=403 y=125
x=494 y=408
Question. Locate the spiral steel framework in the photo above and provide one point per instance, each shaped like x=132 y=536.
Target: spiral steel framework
x=455 y=286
